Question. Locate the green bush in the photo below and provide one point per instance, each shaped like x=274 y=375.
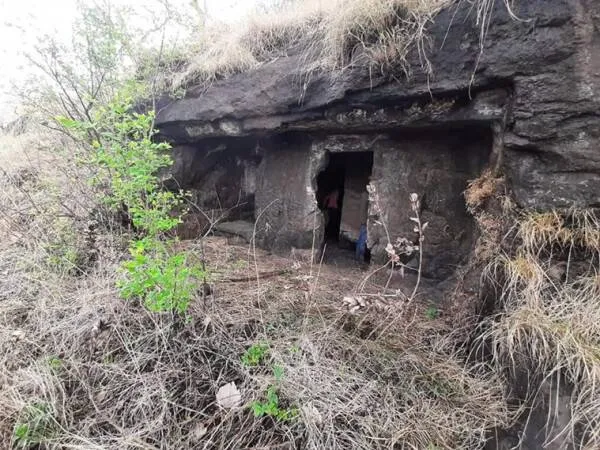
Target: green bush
x=165 y=282
x=127 y=160
x=270 y=407
x=432 y=313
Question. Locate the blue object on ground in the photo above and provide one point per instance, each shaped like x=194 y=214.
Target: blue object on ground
x=361 y=244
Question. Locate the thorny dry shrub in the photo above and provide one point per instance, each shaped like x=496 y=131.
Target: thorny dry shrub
x=492 y=210
x=40 y=174
x=81 y=368
x=549 y=321
x=330 y=35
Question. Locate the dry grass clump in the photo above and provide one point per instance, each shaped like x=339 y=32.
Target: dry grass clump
x=483 y=188
x=522 y=271
x=392 y=391
x=556 y=337
x=382 y=31
x=567 y=229
x=549 y=322
x=225 y=50
x=331 y=35
x=486 y=200
x=220 y=55
x=275 y=33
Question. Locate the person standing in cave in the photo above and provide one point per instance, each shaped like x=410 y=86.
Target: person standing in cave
x=331 y=202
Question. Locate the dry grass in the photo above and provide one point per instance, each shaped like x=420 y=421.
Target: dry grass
x=556 y=336
x=94 y=372
x=331 y=35
x=492 y=209
x=549 y=321
x=224 y=50
x=126 y=379
x=384 y=30
x=544 y=333
x=485 y=187
x=563 y=229
x=221 y=56
x=107 y=374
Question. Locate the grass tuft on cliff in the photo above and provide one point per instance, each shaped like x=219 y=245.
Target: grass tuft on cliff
x=330 y=35
x=546 y=332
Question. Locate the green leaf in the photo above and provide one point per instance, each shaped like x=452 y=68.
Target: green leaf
x=66 y=122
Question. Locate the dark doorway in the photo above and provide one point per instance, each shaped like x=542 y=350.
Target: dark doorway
x=330 y=195
x=342 y=196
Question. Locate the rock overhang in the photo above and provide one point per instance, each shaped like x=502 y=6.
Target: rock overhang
x=532 y=81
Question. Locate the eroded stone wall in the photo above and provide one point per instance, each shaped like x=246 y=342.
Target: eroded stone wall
x=437 y=167
x=220 y=176
x=286 y=208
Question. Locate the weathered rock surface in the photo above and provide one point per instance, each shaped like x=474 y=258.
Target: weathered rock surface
x=535 y=85
x=548 y=61
x=527 y=104
x=240 y=228
x=222 y=177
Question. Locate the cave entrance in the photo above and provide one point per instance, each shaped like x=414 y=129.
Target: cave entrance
x=343 y=198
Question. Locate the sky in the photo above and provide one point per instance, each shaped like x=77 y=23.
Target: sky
x=23 y=21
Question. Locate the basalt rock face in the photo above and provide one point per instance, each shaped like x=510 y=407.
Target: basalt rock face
x=536 y=80
x=525 y=104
